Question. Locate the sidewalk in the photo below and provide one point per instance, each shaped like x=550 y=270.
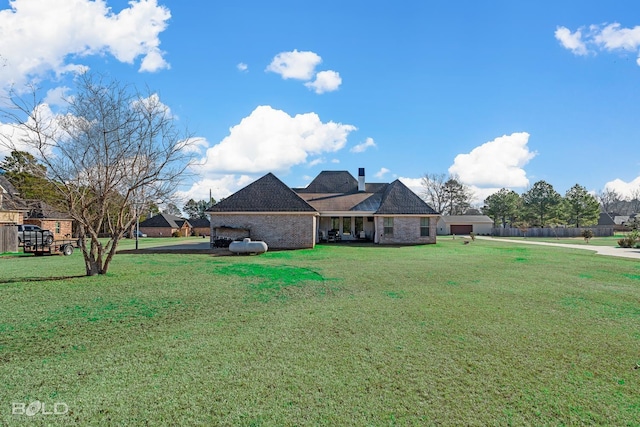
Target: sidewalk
x=600 y=250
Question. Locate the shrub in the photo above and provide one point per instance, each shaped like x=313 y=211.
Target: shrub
x=587 y=234
x=630 y=240
x=175 y=234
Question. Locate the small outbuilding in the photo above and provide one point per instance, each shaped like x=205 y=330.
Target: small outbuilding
x=464 y=225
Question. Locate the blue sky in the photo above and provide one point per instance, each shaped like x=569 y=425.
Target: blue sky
x=501 y=93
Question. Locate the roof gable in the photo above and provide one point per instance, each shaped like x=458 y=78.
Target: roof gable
x=605 y=219
x=398 y=199
x=332 y=182
x=199 y=222
x=9 y=197
x=42 y=210
x=267 y=194
x=164 y=220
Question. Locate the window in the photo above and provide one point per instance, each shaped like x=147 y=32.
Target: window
x=58 y=227
x=388 y=226
x=424 y=227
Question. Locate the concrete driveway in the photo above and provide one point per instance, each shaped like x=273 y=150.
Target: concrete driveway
x=600 y=250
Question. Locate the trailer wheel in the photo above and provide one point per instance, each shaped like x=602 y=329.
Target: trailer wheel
x=67 y=250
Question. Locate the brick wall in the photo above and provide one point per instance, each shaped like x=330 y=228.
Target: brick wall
x=65 y=227
x=406 y=231
x=201 y=231
x=157 y=231
x=278 y=231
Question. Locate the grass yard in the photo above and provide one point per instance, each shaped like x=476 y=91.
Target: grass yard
x=596 y=241
x=490 y=333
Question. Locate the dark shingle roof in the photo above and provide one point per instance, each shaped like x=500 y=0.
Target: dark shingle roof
x=11 y=200
x=398 y=199
x=267 y=194
x=331 y=182
x=199 y=222
x=39 y=209
x=164 y=220
x=605 y=219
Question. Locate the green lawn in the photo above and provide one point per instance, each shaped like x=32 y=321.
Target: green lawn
x=596 y=241
x=490 y=333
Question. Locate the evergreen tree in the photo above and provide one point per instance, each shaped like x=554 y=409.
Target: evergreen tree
x=581 y=208
x=502 y=206
x=541 y=203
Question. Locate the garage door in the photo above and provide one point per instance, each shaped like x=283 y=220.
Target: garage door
x=461 y=229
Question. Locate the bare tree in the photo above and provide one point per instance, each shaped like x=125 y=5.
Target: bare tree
x=110 y=154
x=608 y=199
x=634 y=201
x=446 y=194
x=434 y=190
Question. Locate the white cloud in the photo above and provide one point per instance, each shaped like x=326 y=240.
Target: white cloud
x=360 y=148
x=414 y=184
x=219 y=186
x=37 y=37
x=58 y=96
x=13 y=136
x=381 y=173
x=610 y=37
x=270 y=140
x=326 y=81
x=194 y=145
x=295 y=65
x=625 y=189
x=316 y=162
x=498 y=163
x=571 y=41
x=335 y=161
x=242 y=66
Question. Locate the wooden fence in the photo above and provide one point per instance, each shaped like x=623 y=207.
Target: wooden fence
x=8 y=238
x=551 y=232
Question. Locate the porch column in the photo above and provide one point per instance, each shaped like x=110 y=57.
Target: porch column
x=375 y=230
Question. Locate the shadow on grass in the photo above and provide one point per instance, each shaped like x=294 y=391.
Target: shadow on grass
x=40 y=279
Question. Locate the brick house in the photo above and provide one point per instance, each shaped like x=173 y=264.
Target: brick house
x=200 y=226
x=48 y=218
x=12 y=210
x=164 y=225
x=12 y=207
x=333 y=207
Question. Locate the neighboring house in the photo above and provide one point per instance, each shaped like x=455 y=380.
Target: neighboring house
x=334 y=206
x=620 y=219
x=12 y=207
x=12 y=210
x=48 y=218
x=605 y=220
x=164 y=225
x=465 y=224
x=200 y=226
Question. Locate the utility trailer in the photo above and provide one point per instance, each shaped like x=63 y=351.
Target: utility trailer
x=42 y=246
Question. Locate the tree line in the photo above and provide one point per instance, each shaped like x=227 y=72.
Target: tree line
x=540 y=206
